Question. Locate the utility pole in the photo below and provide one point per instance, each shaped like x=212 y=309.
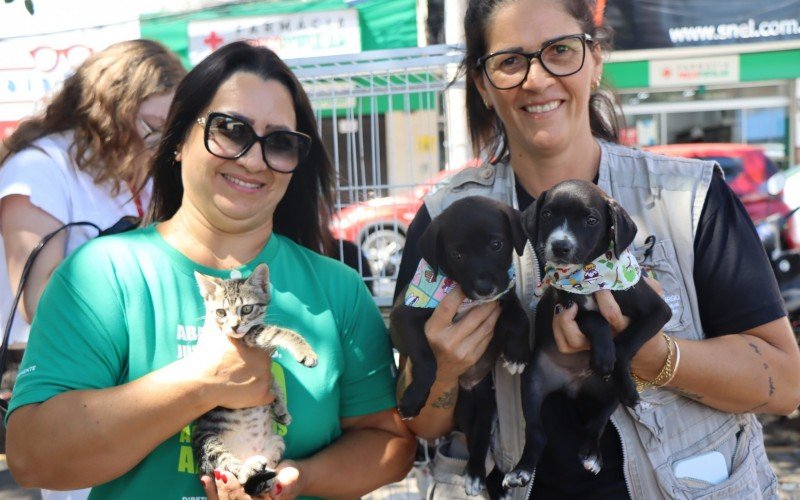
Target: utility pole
x=458 y=144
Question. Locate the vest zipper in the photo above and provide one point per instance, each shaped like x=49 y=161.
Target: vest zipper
x=625 y=464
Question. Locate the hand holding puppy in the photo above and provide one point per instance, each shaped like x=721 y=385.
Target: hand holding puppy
x=458 y=346
x=570 y=339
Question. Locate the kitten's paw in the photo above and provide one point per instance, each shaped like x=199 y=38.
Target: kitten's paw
x=309 y=360
x=260 y=483
x=516 y=478
x=251 y=467
x=281 y=416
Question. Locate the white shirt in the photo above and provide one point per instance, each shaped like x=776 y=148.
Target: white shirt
x=49 y=177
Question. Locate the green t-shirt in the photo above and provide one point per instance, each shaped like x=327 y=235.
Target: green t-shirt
x=125 y=305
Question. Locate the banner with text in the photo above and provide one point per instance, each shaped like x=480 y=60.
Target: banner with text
x=307 y=34
x=648 y=24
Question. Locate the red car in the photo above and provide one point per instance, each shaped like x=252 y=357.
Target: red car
x=746 y=168
x=379 y=225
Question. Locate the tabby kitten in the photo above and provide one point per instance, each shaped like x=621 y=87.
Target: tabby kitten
x=243 y=441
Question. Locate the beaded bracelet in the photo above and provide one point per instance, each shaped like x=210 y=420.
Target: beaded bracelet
x=667 y=372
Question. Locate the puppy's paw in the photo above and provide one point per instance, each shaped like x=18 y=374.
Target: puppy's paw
x=410 y=405
x=602 y=365
x=405 y=413
x=592 y=463
x=473 y=485
x=628 y=395
x=516 y=478
x=513 y=367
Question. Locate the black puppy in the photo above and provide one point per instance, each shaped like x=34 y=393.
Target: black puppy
x=470 y=243
x=582 y=234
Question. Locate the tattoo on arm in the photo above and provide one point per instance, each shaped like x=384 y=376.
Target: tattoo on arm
x=755 y=348
x=771 y=387
x=689 y=394
x=753 y=409
x=447 y=400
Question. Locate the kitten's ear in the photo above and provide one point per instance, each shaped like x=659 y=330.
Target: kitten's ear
x=260 y=277
x=208 y=285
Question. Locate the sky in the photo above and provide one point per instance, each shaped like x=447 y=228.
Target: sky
x=57 y=15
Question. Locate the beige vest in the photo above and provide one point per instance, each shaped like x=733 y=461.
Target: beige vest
x=665 y=197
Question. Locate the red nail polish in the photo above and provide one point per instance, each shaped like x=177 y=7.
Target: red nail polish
x=224 y=479
x=216 y=475
x=278 y=488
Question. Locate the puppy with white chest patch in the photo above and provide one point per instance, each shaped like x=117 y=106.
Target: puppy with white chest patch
x=471 y=243
x=583 y=235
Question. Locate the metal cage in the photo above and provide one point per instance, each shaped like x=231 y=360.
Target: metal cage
x=383 y=117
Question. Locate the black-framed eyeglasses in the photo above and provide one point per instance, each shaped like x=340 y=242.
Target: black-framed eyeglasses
x=230 y=138
x=152 y=136
x=562 y=56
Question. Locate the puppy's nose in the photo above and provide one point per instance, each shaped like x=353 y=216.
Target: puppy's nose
x=483 y=286
x=561 y=248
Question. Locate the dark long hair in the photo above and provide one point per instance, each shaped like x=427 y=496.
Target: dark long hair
x=304 y=213
x=100 y=103
x=486 y=130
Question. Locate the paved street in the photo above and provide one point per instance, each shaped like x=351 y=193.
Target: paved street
x=782 y=438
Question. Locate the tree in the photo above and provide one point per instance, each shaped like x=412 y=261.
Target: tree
x=28 y=5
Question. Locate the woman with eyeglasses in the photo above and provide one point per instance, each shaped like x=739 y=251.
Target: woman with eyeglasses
x=537 y=116
x=83 y=158
x=114 y=374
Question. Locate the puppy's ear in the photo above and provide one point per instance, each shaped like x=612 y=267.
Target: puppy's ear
x=514 y=218
x=624 y=229
x=530 y=218
x=429 y=246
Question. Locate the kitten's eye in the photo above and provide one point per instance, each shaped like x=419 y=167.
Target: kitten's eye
x=247 y=309
x=455 y=255
x=592 y=220
x=496 y=245
x=221 y=313
x=546 y=214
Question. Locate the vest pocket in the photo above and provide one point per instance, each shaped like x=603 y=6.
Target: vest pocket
x=661 y=263
x=673 y=428
x=742 y=481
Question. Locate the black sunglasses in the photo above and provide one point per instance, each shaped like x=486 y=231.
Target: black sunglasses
x=562 y=56
x=230 y=138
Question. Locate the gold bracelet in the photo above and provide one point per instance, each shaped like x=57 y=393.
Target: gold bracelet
x=677 y=362
x=667 y=371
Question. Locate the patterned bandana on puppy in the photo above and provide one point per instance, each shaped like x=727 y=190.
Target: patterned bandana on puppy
x=603 y=273
x=429 y=287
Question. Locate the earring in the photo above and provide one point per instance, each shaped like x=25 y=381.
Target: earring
x=595 y=84
x=487 y=104
x=175 y=153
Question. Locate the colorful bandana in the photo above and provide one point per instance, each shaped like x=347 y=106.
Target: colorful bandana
x=604 y=273
x=429 y=287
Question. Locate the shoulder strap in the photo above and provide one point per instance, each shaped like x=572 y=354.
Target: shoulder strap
x=22 y=280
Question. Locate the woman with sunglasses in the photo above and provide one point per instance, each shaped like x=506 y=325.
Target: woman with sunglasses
x=240 y=178
x=538 y=116
x=83 y=158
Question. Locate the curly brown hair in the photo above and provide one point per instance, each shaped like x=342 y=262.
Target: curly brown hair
x=100 y=103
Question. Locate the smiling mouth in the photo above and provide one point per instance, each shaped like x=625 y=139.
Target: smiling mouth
x=239 y=182
x=543 y=108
